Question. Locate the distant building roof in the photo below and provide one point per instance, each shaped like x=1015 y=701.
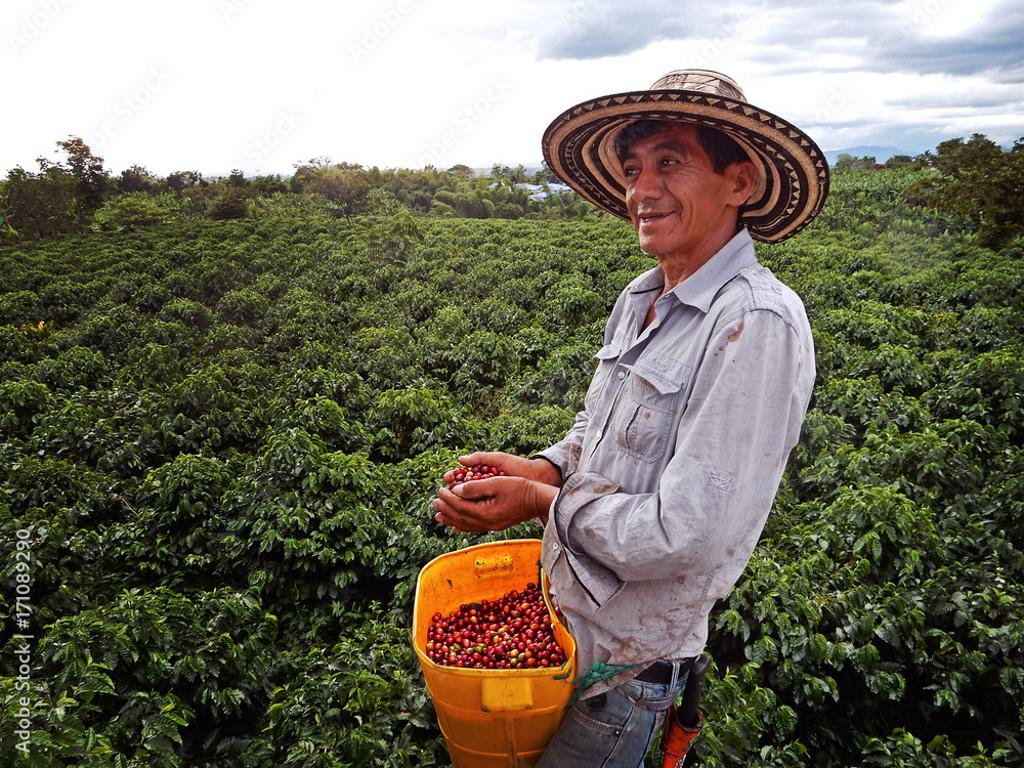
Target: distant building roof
x=538 y=192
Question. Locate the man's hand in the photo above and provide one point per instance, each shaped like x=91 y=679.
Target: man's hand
x=493 y=504
x=539 y=470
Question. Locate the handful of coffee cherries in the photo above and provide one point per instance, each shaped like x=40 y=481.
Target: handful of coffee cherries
x=475 y=472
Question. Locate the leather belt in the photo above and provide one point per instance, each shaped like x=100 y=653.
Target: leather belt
x=661 y=671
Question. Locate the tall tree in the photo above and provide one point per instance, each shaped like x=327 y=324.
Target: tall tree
x=462 y=171
x=179 y=181
x=41 y=204
x=136 y=178
x=345 y=184
x=981 y=182
x=92 y=182
x=545 y=175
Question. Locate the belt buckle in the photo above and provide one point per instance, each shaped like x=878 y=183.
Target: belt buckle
x=661 y=671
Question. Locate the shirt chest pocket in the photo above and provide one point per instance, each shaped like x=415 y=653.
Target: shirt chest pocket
x=649 y=406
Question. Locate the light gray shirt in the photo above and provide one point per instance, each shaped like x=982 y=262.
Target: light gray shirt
x=671 y=467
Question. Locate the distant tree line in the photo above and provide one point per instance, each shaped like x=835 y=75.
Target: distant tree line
x=975 y=179
x=76 y=193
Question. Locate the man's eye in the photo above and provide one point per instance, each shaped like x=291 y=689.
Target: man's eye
x=630 y=172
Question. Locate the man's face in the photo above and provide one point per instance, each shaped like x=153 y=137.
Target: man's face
x=679 y=206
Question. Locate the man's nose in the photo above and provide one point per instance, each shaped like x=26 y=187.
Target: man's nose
x=646 y=184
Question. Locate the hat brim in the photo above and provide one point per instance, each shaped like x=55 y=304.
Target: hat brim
x=579 y=147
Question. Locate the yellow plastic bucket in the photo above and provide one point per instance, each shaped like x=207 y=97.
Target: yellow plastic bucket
x=499 y=718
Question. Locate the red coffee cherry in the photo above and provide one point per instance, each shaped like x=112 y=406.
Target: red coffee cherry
x=475 y=472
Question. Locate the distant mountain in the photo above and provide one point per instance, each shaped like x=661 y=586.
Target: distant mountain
x=881 y=154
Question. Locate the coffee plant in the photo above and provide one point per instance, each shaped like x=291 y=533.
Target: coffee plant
x=219 y=440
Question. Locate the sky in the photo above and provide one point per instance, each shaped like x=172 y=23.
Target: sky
x=263 y=85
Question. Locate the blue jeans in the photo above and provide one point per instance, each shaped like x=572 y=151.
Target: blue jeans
x=614 y=729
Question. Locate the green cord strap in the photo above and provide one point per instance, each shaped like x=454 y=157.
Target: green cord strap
x=598 y=672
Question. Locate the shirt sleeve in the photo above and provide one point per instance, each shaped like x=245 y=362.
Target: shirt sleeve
x=741 y=421
x=565 y=454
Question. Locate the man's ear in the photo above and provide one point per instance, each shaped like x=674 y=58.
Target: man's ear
x=743 y=178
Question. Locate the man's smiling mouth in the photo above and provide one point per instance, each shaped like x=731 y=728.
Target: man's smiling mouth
x=646 y=217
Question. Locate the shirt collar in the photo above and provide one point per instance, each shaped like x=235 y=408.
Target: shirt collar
x=699 y=289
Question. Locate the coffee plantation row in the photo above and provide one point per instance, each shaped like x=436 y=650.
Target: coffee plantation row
x=219 y=440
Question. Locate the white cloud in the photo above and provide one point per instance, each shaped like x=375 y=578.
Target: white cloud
x=217 y=84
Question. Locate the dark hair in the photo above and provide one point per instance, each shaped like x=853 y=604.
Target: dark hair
x=720 y=148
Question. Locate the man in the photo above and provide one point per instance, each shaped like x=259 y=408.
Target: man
x=655 y=499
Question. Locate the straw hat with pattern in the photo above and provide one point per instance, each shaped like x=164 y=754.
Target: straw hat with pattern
x=579 y=147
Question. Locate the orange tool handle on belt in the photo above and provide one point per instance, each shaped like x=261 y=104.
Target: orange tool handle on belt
x=684 y=722
x=678 y=738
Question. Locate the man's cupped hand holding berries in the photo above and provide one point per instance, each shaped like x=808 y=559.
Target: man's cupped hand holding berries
x=493 y=491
